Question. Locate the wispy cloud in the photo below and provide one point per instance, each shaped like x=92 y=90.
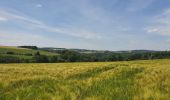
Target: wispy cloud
x=76 y=33
x=11 y=16
x=41 y=25
x=23 y=38
x=161 y=24
x=3 y=19
x=17 y=38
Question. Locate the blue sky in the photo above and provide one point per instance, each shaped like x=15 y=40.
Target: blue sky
x=87 y=24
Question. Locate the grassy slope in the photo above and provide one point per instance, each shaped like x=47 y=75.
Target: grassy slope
x=86 y=81
x=19 y=52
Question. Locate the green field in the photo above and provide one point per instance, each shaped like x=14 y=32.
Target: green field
x=133 y=80
x=22 y=51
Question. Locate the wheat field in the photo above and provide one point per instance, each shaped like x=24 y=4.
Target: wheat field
x=128 y=80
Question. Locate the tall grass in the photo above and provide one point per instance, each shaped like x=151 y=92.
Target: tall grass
x=134 y=80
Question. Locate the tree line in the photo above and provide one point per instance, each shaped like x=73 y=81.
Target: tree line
x=73 y=56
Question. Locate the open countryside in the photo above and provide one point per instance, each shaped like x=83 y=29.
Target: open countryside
x=84 y=49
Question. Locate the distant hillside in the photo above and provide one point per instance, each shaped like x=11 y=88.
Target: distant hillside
x=53 y=55
x=76 y=50
x=95 y=51
x=22 y=51
x=11 y=54
x=136 y=51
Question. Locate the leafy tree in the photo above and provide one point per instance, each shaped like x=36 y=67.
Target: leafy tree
x=9 y=52
x=37 y=53
x=41 y=59
x=29 y=47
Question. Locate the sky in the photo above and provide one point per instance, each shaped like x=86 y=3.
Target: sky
x=86 y=24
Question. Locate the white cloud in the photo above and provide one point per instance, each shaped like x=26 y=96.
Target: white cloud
x=12 y=16
x=161 y=24
x=38 y=5
x=76 y=33
x=168 y=40
x=3 y=19
x=41 y=25
x=150 y=30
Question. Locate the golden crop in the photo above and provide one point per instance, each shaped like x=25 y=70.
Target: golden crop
x=128 y=80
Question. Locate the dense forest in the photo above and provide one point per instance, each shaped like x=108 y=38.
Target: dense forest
x=75 y=56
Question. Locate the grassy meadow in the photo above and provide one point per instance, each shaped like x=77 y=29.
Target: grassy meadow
x=128 y=80
x=22 y=51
